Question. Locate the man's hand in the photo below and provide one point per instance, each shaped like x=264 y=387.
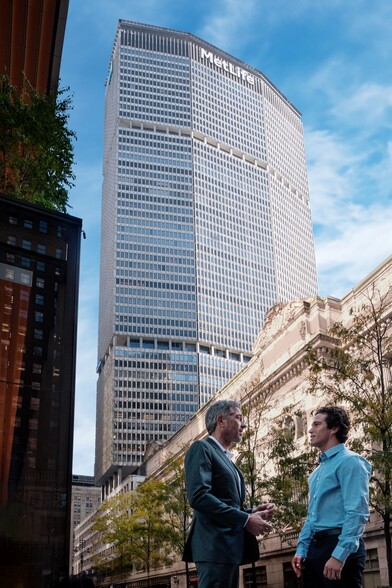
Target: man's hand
x=265 y=510
x=333 y=569
x=256 y=524
x=296 y=564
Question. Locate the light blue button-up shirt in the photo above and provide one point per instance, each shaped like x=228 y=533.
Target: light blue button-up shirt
x=338 y=497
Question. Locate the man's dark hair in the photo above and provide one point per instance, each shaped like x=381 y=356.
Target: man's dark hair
x=219 y=408
x=336 y=417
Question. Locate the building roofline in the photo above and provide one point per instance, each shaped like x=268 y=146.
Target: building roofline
x=199 y=40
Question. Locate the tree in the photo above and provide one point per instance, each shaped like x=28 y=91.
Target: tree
x=355 y=370
x=274 y=465
x=136 y=527
x=178 y=510
x=113 y=526
x=152 y=532
x=292 y=466
x=252 y=454
x=36 y=150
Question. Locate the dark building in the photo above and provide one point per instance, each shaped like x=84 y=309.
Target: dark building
x=39 y=275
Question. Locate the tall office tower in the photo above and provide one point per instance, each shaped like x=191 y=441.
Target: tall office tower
x=205 y=225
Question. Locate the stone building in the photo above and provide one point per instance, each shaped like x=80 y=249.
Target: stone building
x=278 y=365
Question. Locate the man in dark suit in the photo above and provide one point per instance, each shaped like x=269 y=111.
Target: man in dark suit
x=216 y=492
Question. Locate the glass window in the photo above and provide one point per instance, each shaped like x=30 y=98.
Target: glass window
x=371 y=576
x=39 y=317
x=39 y=299
x=258 y=580
x=148 y=344
x=43 y=226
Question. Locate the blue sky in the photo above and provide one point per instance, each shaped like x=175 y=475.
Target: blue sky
x=330 y=58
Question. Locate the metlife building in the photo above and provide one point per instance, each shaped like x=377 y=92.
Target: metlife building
x=206 y=224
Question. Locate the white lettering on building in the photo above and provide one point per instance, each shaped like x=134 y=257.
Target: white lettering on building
x=232 y=69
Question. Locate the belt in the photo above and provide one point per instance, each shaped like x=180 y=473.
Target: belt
x=326 y=533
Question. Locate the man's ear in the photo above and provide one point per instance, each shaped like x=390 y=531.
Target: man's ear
x=220 y=420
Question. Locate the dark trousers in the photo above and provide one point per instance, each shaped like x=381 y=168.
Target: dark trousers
x=217 y=575
x=319 y=553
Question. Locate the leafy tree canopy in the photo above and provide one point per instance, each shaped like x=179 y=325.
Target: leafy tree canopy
x=136 y=527
x=36 y=146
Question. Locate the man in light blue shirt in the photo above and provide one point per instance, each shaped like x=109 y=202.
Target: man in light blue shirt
x=330 y=544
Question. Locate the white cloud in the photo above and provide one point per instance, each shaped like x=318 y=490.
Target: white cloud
x=368 y=104
x=363 y=242
x=229 y=23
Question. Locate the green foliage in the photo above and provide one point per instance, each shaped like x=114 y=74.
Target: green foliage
x=36 y=150
x=136 y=526
x=178 y=511
x=273 y=466
x=288 y=486
x=356 y=372
x=252 y=455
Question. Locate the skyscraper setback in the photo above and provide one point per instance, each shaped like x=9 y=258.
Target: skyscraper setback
x=205 y=225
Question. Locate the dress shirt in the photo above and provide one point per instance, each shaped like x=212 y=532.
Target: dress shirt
x=338 y=498
x=228 y=454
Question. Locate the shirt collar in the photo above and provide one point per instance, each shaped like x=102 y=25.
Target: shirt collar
x=331 y=452
x=229 y=454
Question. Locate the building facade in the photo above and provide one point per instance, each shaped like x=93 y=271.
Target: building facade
x=39 y=276
x=86 y=498
x=205 y=225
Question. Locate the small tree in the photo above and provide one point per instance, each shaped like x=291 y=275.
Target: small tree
x=356 y=371
x=292 y=465
x=274 y=465
x=252 y=452
x=152 y=532
x=178 y=510
x=36 y=151
x=114 y=527
x=135 y=526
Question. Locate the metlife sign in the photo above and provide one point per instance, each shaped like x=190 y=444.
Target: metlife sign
x=225 y=65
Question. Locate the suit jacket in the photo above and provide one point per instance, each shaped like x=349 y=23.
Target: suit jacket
x=216 y=492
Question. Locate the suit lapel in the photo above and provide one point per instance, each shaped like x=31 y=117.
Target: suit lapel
x=236 y=472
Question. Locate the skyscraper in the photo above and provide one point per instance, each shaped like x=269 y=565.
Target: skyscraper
x=205 y=225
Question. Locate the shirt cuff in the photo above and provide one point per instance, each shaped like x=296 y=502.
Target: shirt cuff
x=340 y=553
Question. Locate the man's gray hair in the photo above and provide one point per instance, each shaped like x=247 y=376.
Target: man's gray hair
x=220 y=408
